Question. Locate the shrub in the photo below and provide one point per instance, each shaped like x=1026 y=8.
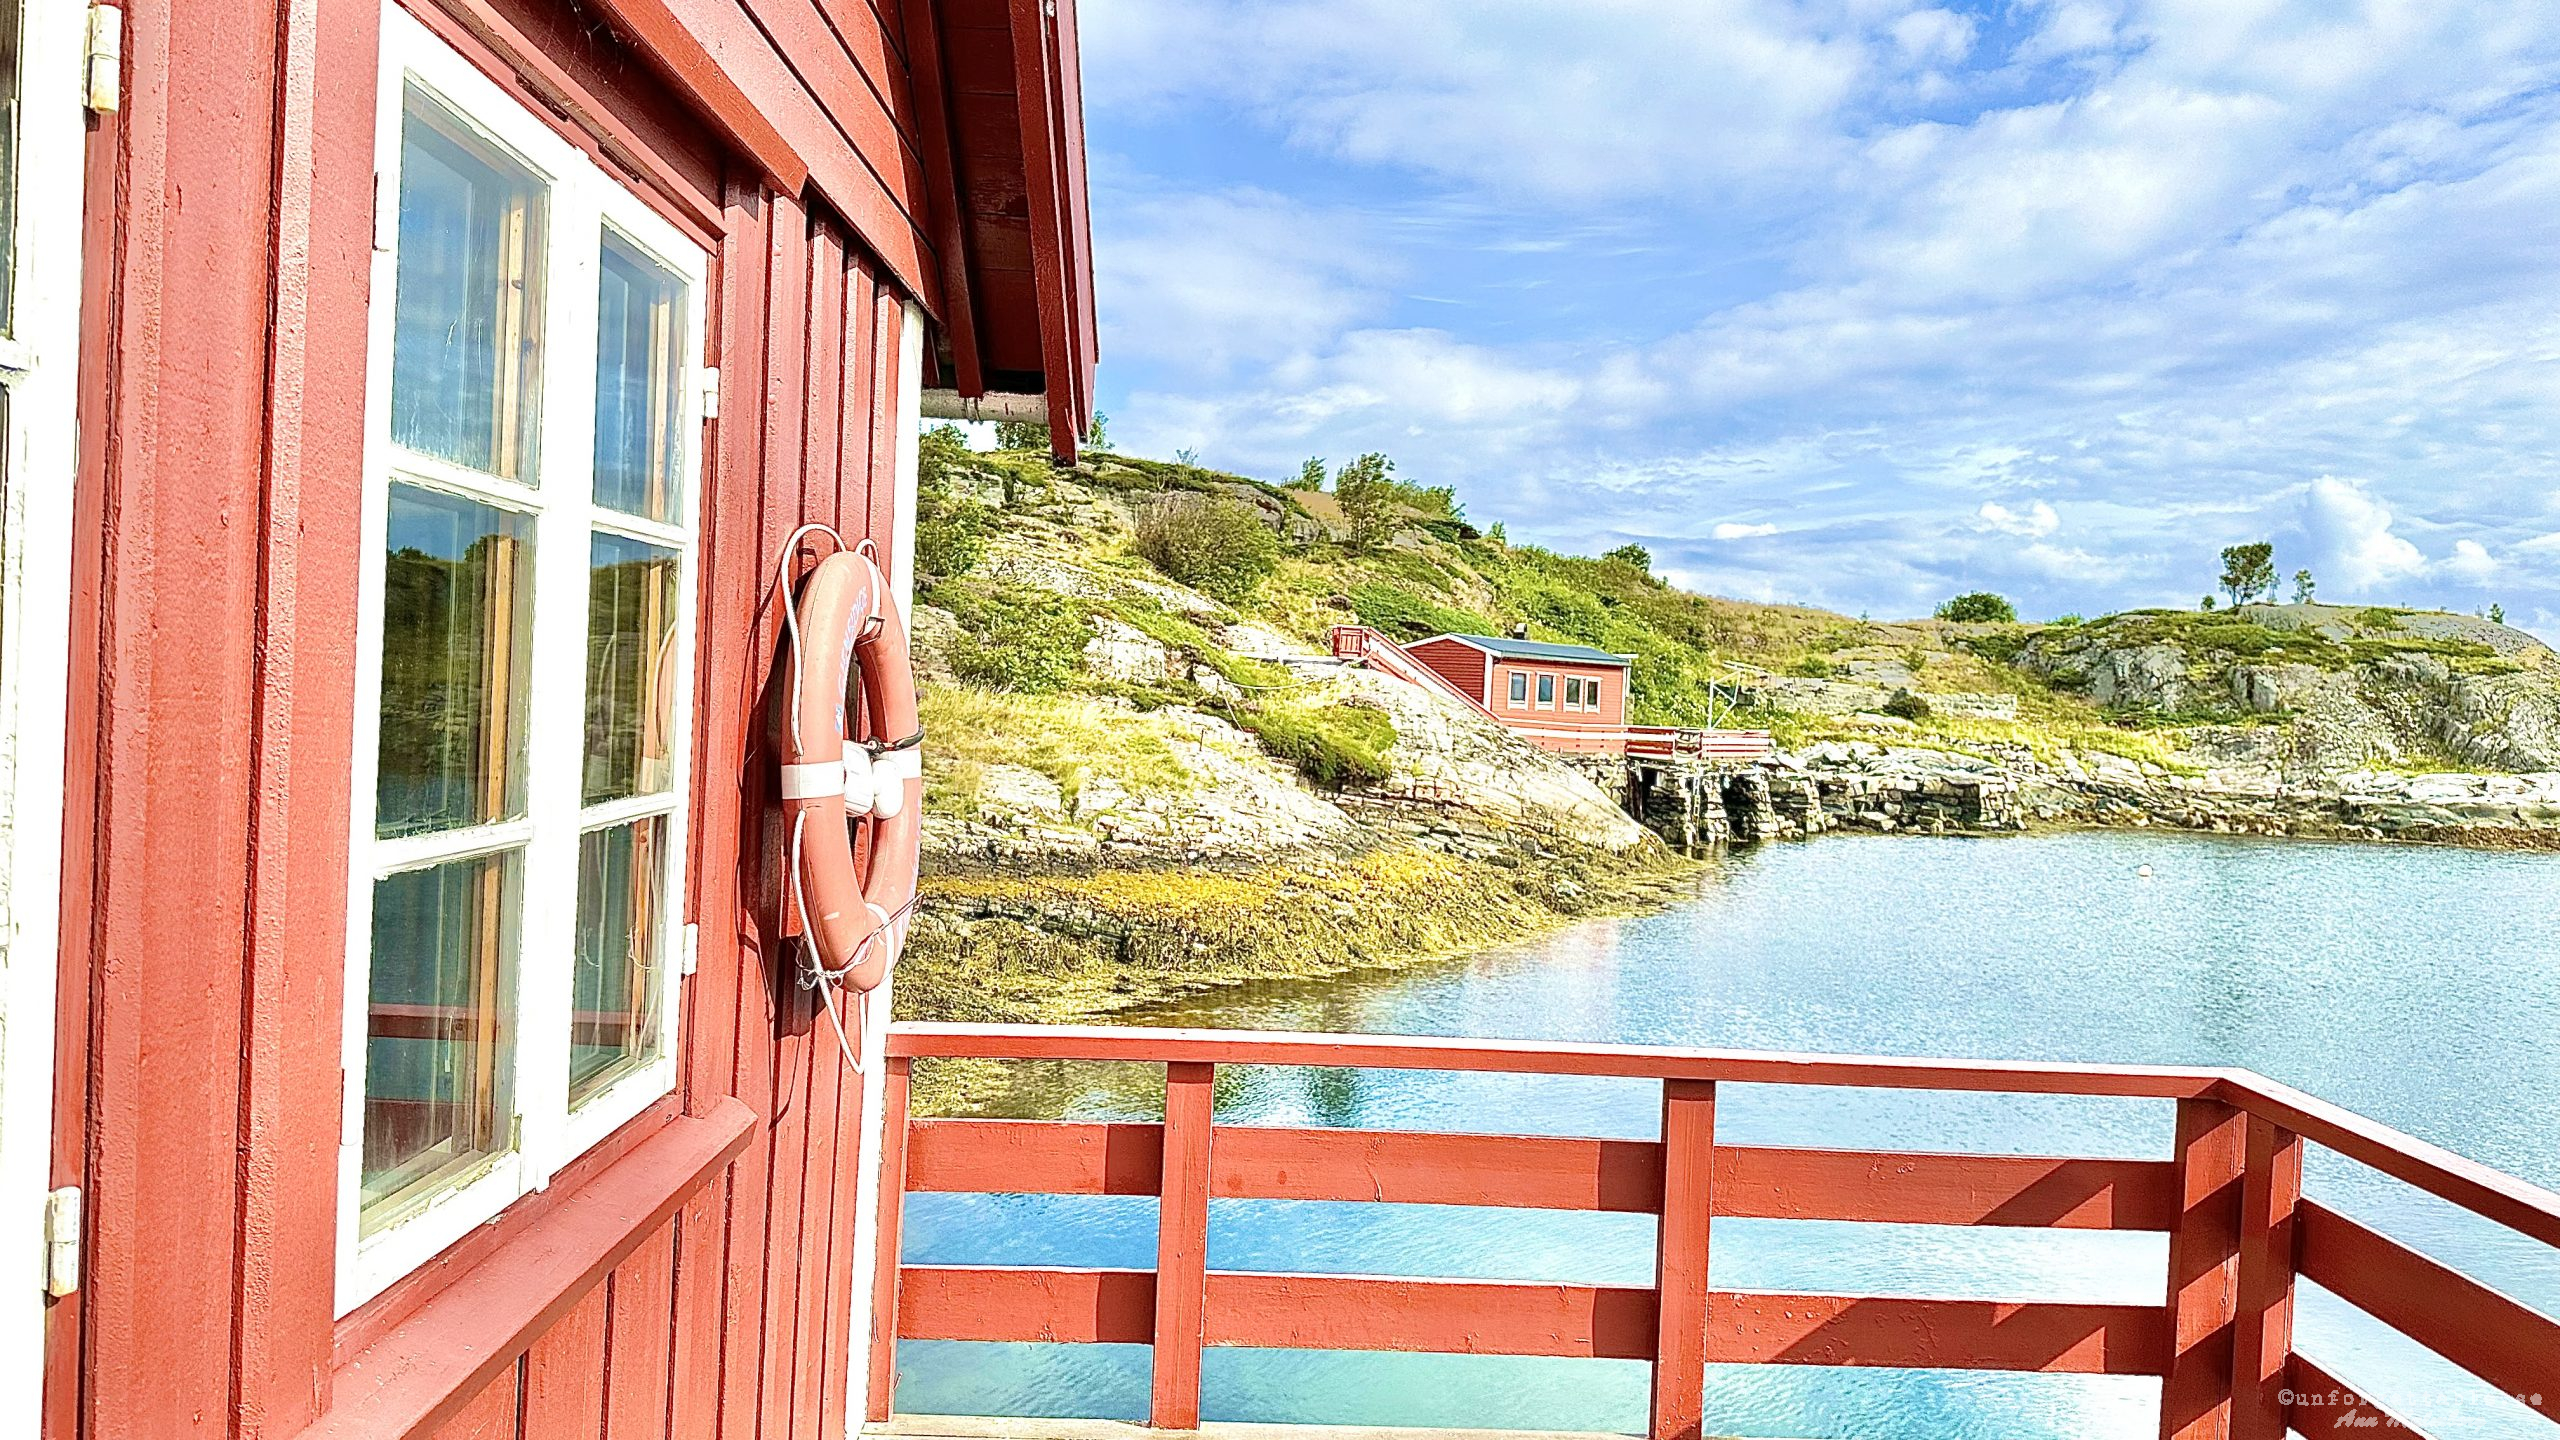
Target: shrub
x=1631 y=554
x=1332 y=745
x=1367 y=492
x=1021 y=435
x=1213 y=544
x=1013 y=637
x=1907 y=706
x=1400 y=614
x=1812 y=667
x=1979 y=607
x=951 y=530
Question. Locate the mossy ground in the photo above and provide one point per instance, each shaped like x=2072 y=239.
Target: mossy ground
x=1076 y=948
x=1070 y=947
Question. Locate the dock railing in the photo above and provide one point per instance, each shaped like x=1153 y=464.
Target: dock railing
x=2229 y=1198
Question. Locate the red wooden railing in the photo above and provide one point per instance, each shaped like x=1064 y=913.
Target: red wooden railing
x=2229 y=1198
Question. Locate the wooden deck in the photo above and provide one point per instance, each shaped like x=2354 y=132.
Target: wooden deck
x=973 y=1427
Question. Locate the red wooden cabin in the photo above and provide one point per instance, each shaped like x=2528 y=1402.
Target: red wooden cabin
x=416 y=397
x=1571 y=698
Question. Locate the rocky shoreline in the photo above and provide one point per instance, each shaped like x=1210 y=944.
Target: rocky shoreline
x=1907 y=789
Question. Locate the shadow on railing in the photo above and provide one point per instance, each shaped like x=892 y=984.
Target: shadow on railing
x=2230 y=1200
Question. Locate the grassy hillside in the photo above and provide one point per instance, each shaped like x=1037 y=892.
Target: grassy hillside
x=1414 y=566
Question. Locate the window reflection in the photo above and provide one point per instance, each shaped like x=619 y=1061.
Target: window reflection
x=639 y=396
x=467 y=313
x=613 y=1025
x=631 y=626
x=457 y=639
x=437 y=1056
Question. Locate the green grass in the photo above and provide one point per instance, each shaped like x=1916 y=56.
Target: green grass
x=1070 y=739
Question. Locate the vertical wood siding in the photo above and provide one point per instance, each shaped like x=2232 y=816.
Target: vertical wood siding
x=205 y=944
x=1460 y=665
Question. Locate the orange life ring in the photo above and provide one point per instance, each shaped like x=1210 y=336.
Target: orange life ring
x=855 y=923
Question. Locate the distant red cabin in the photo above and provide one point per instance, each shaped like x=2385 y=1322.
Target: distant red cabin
x=1571 y=698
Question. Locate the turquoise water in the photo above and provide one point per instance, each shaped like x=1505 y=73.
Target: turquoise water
x=2420 y=987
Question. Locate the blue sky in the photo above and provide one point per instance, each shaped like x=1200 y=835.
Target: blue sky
x=1864 y=302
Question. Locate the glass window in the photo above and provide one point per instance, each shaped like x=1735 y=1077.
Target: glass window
x=1546 y=692
x=631 y=631
x=457 y=644
x=437 y=1067
x=1573 y=692
x=613 y=1022
x=1519 y=688
x=466 y=347
x=639 y=382
x=520 y=847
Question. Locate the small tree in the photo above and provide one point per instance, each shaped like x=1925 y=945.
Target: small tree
x=1979 y=607
x=1310 y=475
x=2208 y=603
x=2249 y=572
x=1187 y=458
x=1367 y=491
x=2304 y=587
x=1021 y=435
x=1632 y=554
x=2497 y=614
x=1211 y=543
x=1097 y=436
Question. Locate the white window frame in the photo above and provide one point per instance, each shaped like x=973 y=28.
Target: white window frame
x=581 y=202
x=1519 y=691
x=1546 y=690
x=39 y=359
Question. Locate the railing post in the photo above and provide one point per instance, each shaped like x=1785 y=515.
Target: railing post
x=2204 y=1271
x=1680 y=1259
x=2262 y=1331
x=893 y=1205
x=1182 y=1246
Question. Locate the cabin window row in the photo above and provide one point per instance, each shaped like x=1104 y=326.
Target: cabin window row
x=1581 y=693
x=527 y=644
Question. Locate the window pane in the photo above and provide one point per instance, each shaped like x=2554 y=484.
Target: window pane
x=1546 y=689
x=1519 y=689
x=631 y=627
x=457 y=636
x=466 y=346
x=639 y=383
x=439 y=1030
x=613 y=1023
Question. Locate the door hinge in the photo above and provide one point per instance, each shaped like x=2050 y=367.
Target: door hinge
x=102 y=81
x=711 y=393
x=62 y=1241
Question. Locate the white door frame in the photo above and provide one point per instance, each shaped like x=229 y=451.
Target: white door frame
x=39 y=361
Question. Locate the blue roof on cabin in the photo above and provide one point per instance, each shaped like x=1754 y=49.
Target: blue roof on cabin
x=1537 y=650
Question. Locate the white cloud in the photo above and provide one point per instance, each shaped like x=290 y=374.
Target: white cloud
x=1931 y=37
x=1213 y=280
x=1736 y=530
x=2471 y=561
x=2036 y=521
x=2350 y=530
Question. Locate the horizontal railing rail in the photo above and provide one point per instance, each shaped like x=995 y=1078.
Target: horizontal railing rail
x=2229 y=1199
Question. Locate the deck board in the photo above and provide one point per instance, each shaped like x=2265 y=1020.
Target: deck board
x=969 y=1427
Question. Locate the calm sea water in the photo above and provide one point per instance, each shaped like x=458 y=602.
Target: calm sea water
x=2420 y=987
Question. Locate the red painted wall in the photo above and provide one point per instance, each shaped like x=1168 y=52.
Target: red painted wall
x=691 y=1277
x=1610 y=717
x=1455 y=661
